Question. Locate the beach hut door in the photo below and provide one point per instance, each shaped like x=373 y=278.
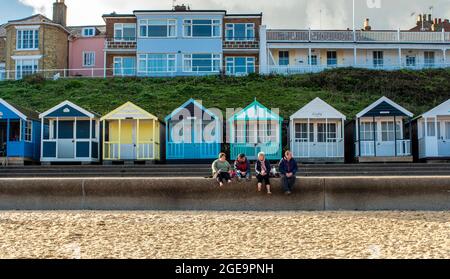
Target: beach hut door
x=66 y=139
x=444 y=140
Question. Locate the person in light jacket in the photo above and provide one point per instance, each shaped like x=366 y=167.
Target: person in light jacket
x=242 y=168
x=263 y=172
x=222 y=169
x=288 y=169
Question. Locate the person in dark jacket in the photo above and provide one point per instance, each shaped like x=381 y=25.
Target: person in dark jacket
x=263 y=172
x=242 y=168
x=288 y=169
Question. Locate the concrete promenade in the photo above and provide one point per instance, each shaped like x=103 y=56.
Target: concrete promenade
x=312 y=193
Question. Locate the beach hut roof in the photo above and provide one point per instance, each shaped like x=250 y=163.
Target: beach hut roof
x=256 y=111
x=187 y=104
x=129 y=111
x=24 y=113
x=318 y=109
x=384 y=107
x=441 y=110
x=68 y=109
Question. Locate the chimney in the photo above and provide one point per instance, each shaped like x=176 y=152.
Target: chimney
x=180 y=8
x=367 y=26
x=60 y=12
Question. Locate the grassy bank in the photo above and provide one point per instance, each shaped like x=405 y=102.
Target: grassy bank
x=349 y=90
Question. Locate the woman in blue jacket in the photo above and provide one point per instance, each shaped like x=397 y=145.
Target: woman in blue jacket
x=263 y=172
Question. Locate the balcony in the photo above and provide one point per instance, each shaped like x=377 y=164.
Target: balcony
x=114 y=43
x=274 y=36
x=241 y=43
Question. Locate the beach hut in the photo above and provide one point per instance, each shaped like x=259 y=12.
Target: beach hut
x=193 y=133
x=131 y=134
x=256 y=129
x=380 y=134
x=73 y=135
x=317 y=133
x=433 y=130
x=20 y=133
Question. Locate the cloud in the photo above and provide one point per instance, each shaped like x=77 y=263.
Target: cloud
x=336 y=14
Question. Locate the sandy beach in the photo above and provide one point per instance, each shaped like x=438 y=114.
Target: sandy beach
x=224 y=235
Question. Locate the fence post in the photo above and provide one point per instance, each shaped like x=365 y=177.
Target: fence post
x=443 y=34
x=92 y=72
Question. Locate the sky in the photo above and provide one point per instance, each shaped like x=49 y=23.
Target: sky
x=288 y=14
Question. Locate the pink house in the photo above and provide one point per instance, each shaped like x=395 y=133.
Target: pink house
x=86 y=56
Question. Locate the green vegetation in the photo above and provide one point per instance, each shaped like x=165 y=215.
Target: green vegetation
x=348 y=90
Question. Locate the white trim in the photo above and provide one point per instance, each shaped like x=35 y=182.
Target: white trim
x=24 y=57
x=88 y=28
x=326 y=111
x=233 y=38
x=441 y=110
x=174 y=13
x=21 y=48
x=68 y=103
x=220 y=59
x=29 y=27
x=123 y=24
x=13 y=109
x=27 y=122
x=387 y=100
x=167 y=20
x=219 y=36
x=147 y=72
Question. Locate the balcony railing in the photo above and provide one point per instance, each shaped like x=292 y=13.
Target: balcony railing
x=120 y=43
x=357 y=36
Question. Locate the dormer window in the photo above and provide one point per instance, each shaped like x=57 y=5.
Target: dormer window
x=88 y=32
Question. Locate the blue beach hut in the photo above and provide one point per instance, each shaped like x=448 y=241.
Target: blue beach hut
x=193 y=132
x=256 y=129
x=20 y=133
x=73 y=135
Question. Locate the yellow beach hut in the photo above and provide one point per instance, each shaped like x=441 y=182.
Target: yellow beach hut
x=131 y=134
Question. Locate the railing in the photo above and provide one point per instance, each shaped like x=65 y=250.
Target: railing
x=143 y=151
x=369 y=148
x=120 y=43
x=357 y=36
x=289 y=70
x=334 y=148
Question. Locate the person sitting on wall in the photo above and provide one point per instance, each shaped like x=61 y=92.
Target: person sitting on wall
x=242 y=168
x=263 y=172
x=288 y=169
x=222 y=169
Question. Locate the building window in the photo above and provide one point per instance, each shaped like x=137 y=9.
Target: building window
x=429 y=58
x=240 y=31
x=28 y=137
x=158 y=28
x=301 y=132
x=89 y=59
x=88 y=32
x=410 y=61
x=156 y=63
x=201 y=62
x=28 y=39
x=312 y=60
x=378 y=59
x=283 y=57
x=240 y=65
x=124 y=32
x=202 y=28
x=2 y=71
x=124 y=66
x=331 y=58
x=26 y=67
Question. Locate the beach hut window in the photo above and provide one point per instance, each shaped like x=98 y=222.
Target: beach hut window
x=367 y=131
x=301 y=132
x=240 y=136
x=431 y=128
x=14 y=131
x=326 y=133
x=83 y=129
x=447 y=130
x=28 y=130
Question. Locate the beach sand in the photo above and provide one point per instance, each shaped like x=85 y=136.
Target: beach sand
x=224 y=235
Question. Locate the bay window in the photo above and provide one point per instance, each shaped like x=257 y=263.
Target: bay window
x=124 y=32
x=27 y=39
x=165 y=28
x=206 y=28
x=156 y=63
x=240 y=65
x=201 y=62
x=26 y=67
x=240 y=32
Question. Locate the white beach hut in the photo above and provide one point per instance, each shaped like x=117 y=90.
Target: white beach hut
x=433 y=130
x=317 y=133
